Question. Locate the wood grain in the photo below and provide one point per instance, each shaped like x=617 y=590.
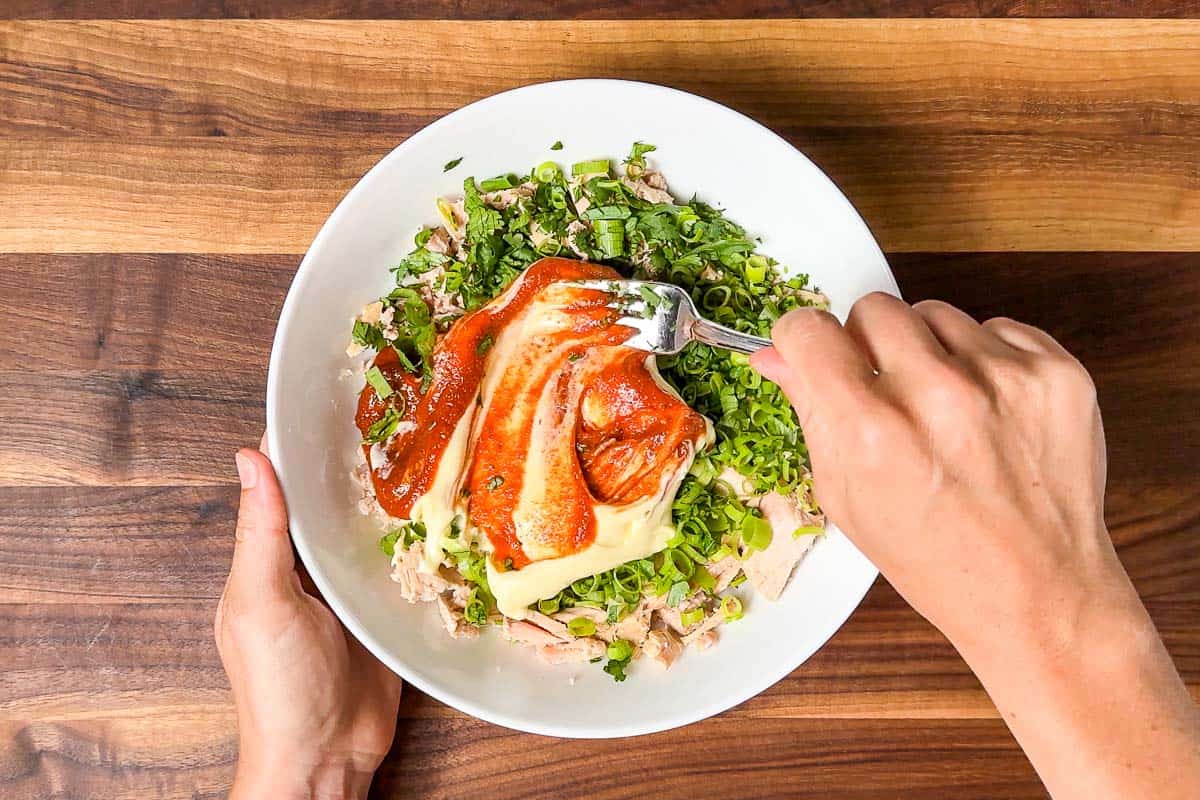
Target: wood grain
x=172 y=349
x=281 y=80
x=938 y=131
x=590 y=9
x=158 y=181
x=964 y=193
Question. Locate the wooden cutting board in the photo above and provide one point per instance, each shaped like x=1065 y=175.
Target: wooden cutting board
x=160 y=178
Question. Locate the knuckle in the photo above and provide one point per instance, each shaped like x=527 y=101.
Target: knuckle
x=801 y=325
x=875 y=303
x=954 y=391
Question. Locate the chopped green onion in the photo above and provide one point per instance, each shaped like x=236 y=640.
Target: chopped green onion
x=451 y=164
x=550 y=605
x=703 y=579
x=756 y=532
x=494 y=482
x=731 y=608
x=485 y=344
x=379 y=383
x=738 y=581
x=590 y=167
x=547 y=172
x=581 y=626
x=807 y=530
x=446 y=212
x=620 y=649
x=556 y=146
x=690 y=618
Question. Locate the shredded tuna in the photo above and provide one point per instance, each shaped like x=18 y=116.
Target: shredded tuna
x=456 y=625
x=768 y=570
x=705 y=640
x=701 y=628
x=528 y=633
x=439 y=241
x=549 y=625
x=504 y=198
x=663 y=647
x=635 y=626
x=647 y=192
x=724 y=571
x=572 y=652
x=416 y=585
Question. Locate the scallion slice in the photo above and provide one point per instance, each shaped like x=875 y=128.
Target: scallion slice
x=379 y=383
x=590 y=167
x=582 y=626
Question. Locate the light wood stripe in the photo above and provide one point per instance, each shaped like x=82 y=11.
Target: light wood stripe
x=950 y=135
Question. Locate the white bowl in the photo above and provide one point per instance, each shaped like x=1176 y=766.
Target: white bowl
x=724 y=157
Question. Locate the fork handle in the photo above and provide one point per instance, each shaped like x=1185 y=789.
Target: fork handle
x=711 y=333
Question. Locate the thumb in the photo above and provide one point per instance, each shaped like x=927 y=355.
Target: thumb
x=262 y=555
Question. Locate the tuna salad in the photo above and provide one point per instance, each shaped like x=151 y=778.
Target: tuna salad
x=531 y=473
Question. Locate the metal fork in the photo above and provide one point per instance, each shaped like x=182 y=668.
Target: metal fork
x=666 y=318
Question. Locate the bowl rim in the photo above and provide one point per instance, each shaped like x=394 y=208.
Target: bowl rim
x=763 y=680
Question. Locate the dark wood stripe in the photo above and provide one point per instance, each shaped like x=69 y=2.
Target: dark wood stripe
x=580 y=9
x=157 y=362
x=852 y=760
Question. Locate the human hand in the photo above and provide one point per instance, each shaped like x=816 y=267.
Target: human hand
x=316 y=711
x=970 y=467
x=967 y=462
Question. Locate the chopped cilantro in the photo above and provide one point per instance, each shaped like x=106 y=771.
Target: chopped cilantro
x=384 y=427
x=556 y=146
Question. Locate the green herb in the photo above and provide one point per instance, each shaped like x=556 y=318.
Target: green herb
x=451 y=164
x=498 y=183
x=494 y=482
x=379 y=383
x=620 y=653
x=406 y=536
x=485 y=344
x=476 y=609
x=388 y=543
x=575 y=356
x=637 y=156
x=808 y=530
x=381 y=429
x=368 y=335
x=556 y=146
x=617 y=669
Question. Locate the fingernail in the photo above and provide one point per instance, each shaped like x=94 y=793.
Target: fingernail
x=247 y=472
